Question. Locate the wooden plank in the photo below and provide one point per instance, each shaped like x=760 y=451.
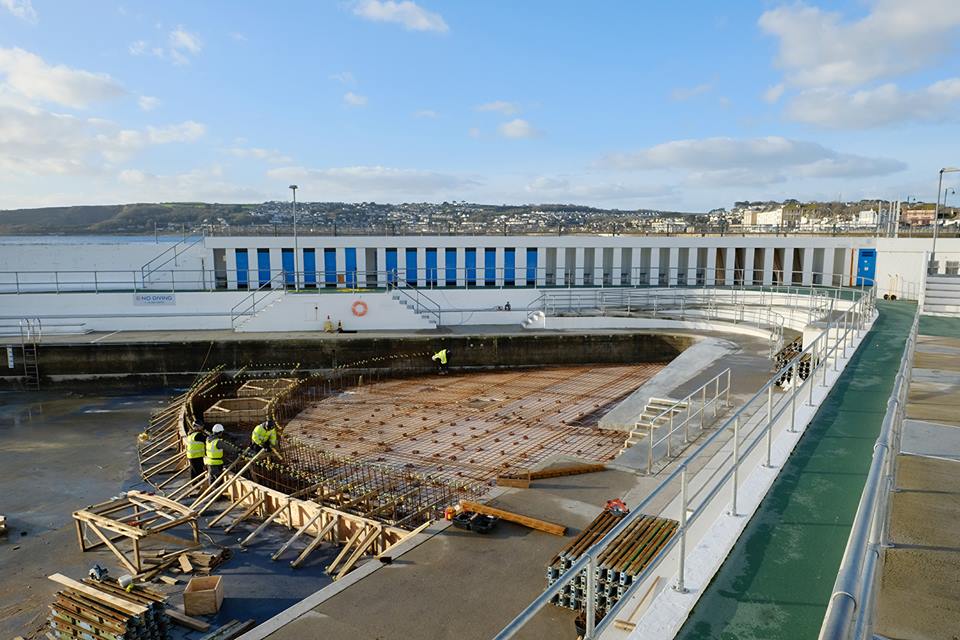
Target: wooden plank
x=120 y=556
x=184 y=620
x=124 y=605
x=518 y=483
x=355 y=556
x=571 y=470
x=517 y=518
x=185 y=564
x=346 y=549
x=231 y=630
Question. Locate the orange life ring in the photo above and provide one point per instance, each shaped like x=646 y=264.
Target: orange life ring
x=359 y=308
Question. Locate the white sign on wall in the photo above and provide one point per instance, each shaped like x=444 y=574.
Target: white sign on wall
x=154 y=298
x=10 y=357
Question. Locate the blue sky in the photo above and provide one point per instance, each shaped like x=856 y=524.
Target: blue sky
x=683 y=106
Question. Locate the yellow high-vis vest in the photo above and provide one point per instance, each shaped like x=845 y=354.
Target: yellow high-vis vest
x=195 y=448
x=214 y=453
x=261 y=435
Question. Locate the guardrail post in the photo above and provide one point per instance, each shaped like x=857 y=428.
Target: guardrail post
x=591 y=616
x=736 y=463
x=769 y=424
x=703 y=406
x=134 y=281
x=650 y=451
x=726 y=401
x=793 y=397
x=96 y=285
x=681 y=561
x=826 y=355
x=670 y=435
x=56 y=280
x=16 y=276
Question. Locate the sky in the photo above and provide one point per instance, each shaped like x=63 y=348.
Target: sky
x=666 y=105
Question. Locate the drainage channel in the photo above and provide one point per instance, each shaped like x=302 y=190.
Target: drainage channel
x=776 y=582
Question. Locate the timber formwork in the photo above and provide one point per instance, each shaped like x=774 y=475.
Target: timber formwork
x=617 y=565
x=472 y=427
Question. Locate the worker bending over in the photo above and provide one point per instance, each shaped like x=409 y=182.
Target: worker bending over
x=264 y=435
x=194 y=445
x=214 y=453
x=440 y=357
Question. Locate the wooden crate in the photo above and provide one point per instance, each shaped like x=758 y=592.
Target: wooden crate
x=203 y=596
x=237 y=412
x=264 y=387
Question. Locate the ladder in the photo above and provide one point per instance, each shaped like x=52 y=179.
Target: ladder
x=30 y=333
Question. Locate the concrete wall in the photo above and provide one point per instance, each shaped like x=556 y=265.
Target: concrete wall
x=179 y=361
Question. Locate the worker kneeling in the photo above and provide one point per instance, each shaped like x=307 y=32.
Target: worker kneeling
x=195 y=447
x=440 y=357
x=214 y=453
x=264 y=435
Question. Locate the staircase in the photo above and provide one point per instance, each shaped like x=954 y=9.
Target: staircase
x=655 y=414
x=942 y=295
x=31 y=332
x=418 y=303
x=267 y=296
x=171 y=254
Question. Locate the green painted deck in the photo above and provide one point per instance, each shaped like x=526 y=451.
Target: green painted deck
x=776 y=582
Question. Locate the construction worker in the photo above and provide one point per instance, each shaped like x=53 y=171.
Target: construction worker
x=440 y=357
x=214 y=453
x=265 y=435
x=195 y=447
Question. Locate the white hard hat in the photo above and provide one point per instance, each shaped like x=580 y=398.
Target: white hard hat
x=218 y=428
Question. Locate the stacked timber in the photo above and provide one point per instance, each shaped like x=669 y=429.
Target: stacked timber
x=103 y=610
x=264 y=387
x=237 y=412
x=617 y=565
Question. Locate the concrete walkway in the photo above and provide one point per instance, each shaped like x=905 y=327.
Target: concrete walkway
x=776 y=582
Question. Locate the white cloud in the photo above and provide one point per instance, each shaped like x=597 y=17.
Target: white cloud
x=148 y=103
x=681 y=94
x=371 y=182
x=239 y=37
x=580 y=188
x=30 y=76
x=352 y=99
x=344 y=77
x=473 y=132
x=426 y=113
x=751 y=161
x=518 y=128
x=500 y=106
x=183 y=40
x=774 y=93
x=181 y=45
x=22 y=9
x=876 y=107
x=408 y=14
x=269 y=155
x=34 y=141
x=818 y=48
x=188 y=131
x=205 y=184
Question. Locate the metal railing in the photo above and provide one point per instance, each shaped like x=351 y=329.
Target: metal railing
x=177 y=250
x=685 y=408
x=752 y=424
x=422 y=304
x=212 y=279
x=248 y=306
x=850 y=609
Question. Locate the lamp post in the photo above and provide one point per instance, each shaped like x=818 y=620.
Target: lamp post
x=936 y=217
x=296 y=243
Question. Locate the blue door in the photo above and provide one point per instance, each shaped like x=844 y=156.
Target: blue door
x=289 y=269
x=310 y=268
x=411 y=264
x=451 y=266
x=509 y=267
x=531 y=267
x=431 y=267
x=243 y=269
x=350 y=261
x=490 y=267
x=470 y=259
x=867 y=267
x=330 y=267
x=392 y=266
x=263 y=266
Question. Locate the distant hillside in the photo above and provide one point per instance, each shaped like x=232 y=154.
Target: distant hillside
x=121 y=218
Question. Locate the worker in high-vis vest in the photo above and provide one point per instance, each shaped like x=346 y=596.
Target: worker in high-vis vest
x=440 y=357
x=214 y=453
x=264 y=435
x=196 y=448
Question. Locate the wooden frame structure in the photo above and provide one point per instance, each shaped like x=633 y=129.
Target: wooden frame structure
x=141 y=519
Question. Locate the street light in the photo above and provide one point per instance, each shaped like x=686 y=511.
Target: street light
x=296 y=244
x=936 y=216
